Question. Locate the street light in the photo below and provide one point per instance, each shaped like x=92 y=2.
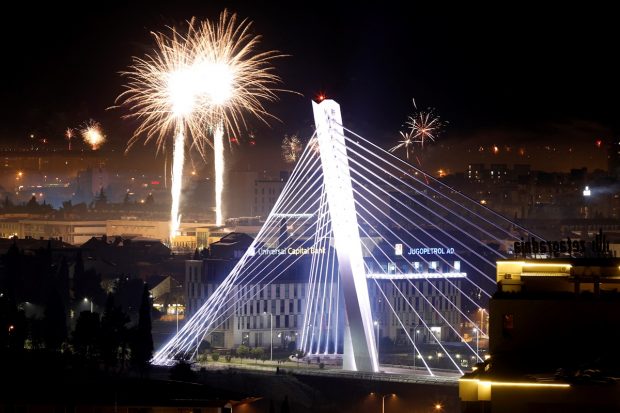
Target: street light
x=477 y=341
x=415 y=340
x=376 y=323
x=271 y=335
x=383 y=401
x=176 y=311
x=91 y=303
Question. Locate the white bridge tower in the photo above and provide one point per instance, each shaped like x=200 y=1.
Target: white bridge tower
x=360 y=351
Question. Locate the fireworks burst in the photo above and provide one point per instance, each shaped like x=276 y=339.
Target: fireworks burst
x=203 y=78
x=291 y=148
x=93 y=134
x=69 y=135
x=424 y=125
x=406 y=142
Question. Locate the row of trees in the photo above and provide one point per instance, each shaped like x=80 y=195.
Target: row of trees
x=98 y=340
x=34 y=276
x=36 y=280
x=109 y=341
x=257 y=353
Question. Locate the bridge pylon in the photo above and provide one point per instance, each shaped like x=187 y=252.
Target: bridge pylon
x=360 y=351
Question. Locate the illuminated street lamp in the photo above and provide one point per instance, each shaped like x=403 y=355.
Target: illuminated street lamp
x=376 y=324
x=477 y=341
x=271 y=335
x=383 y=401
x=91 y=303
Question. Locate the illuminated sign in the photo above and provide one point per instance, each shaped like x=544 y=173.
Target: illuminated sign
x=398 y=249
x=430 y=251
x=286 y=251
x=568 y=246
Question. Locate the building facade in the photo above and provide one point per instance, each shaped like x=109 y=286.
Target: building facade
x=422 y=304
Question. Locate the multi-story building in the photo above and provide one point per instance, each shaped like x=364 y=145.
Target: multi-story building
x=418 y=299
x=254 y=195
x=266 y=193
x=72 y=232
x=553 y=331
x=476 y=172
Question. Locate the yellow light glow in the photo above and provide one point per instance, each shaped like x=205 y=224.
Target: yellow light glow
x=536 y=264
x=548 y=264
x=517 y=384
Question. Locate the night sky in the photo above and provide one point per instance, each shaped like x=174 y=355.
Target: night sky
x=512 y=76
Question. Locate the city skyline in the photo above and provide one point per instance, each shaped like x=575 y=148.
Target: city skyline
x=409 y=255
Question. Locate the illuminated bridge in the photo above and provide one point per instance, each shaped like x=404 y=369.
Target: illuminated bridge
x=377 y=233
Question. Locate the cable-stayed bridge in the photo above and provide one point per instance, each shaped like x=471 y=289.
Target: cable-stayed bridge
x=388 y=246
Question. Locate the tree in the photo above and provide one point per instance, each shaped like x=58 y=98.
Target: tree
x=12 y=260
x=86 y=283
x=258 y=352
x=142 y=343
x=55 y=328
x=63 y=282
x=202 y=357
x=32 y=204
x=36 y=333
x=7 y=203
x=128 y=293
x=113 y=333
x=101 y=199
x=182 y=371
x=243 y=351
x=86 y=335
x=78 y=270
x=215 y=356
x=13 y=324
